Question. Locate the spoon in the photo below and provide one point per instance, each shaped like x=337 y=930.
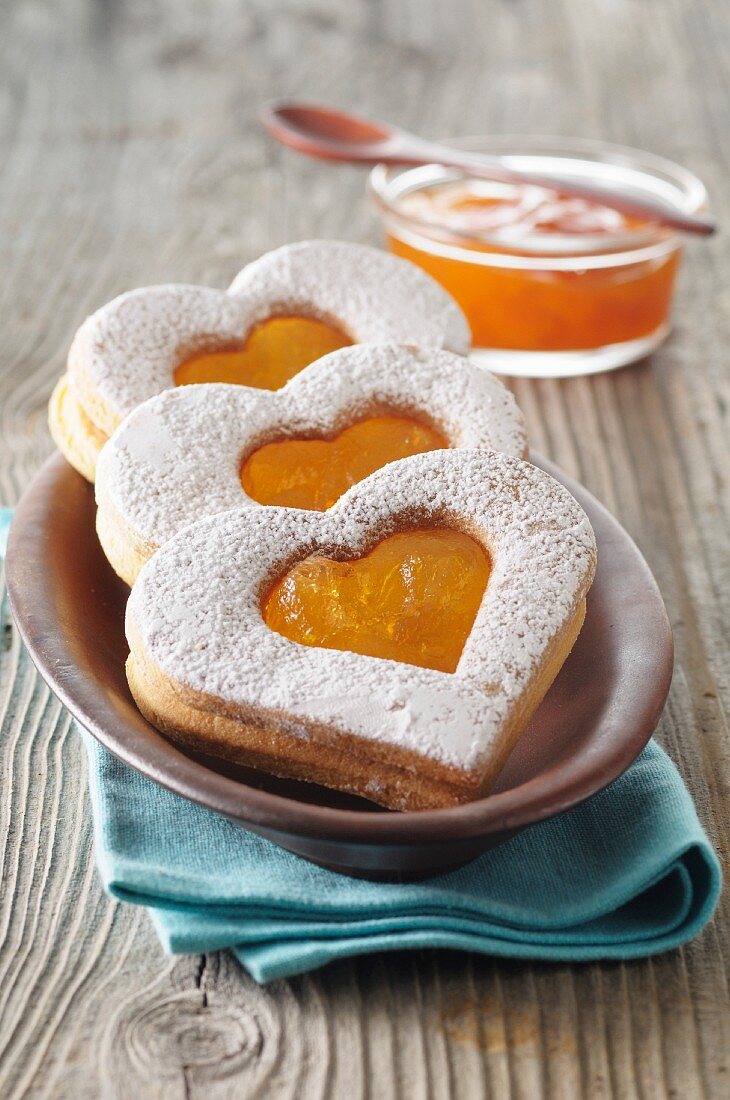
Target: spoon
x=340 y=136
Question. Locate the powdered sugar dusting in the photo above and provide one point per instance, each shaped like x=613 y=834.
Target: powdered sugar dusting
x=177 y=457
x=128 y=350
x=379 y=297
x=543 y=558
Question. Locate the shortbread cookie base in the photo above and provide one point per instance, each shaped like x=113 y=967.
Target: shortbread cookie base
x=74 y=433
x=388 y=775
x=125 y=551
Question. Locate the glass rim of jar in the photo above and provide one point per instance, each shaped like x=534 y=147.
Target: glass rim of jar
x=387 y=185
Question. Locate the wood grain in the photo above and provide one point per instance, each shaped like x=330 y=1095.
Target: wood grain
x=131 y=154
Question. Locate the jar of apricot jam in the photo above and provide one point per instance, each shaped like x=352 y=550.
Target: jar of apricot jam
x=552 y=285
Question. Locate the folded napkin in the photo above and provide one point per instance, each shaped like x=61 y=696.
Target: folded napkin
x=629 y=873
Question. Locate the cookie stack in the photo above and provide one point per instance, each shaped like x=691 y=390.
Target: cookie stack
x=343 y=568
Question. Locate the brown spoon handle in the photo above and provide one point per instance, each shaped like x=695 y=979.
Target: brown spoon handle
x=335 y=135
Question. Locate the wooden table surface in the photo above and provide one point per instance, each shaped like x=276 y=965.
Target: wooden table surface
x=131 y=154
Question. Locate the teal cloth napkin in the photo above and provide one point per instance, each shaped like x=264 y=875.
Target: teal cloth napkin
x=629 y=873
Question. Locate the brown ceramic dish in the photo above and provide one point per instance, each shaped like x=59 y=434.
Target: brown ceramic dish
x=600 y=712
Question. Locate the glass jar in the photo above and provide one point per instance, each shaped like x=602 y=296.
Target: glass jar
x=552 y=286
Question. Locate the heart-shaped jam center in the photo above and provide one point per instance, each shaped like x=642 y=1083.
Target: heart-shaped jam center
x=274 y=352
x=413 y=598
x=314 y=473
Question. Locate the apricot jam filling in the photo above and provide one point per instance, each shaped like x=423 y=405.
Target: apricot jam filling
x=314 y=473
x=412 y=598
x=274 y=352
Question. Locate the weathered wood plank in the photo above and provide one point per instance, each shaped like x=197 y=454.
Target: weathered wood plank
x=131 y=154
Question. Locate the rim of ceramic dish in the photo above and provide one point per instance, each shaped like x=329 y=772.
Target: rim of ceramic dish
x=40 y=605
x=629 y=168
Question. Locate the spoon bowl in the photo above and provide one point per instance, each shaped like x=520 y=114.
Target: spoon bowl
x=319 y=130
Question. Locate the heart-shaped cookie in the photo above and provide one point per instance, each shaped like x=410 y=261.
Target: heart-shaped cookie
x=282 y=312
x=194 y=451
x=206 y=668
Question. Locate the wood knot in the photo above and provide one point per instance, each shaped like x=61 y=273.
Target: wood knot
x=182 y=1032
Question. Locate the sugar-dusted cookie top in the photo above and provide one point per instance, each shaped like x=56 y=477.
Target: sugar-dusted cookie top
x=377 y=297
x=129 y=350
x=194 y=614
x=178 y=457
